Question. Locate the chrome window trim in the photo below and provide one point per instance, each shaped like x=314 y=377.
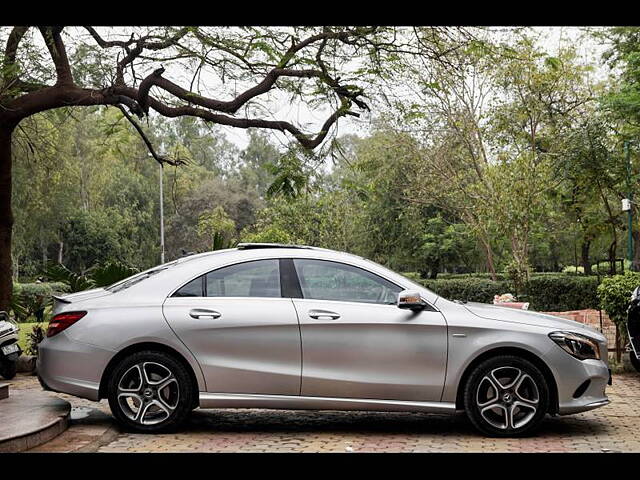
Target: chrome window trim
x=278 y=256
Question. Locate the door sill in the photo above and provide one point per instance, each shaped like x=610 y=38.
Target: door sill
x=295 y=402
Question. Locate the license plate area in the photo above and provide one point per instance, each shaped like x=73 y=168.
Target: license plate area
x=9 y=349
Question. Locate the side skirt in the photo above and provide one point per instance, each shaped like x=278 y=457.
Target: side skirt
x=294 y=402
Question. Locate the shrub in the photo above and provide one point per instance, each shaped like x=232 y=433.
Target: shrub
x=561 y=292
x=34 y=337
x=545 y=292
x=615 y=293
x=413 y=276
x=468 y=289
x=30 y=298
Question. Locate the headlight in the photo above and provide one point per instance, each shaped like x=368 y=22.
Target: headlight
x=576 y=345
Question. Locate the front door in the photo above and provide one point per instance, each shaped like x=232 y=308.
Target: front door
x=357 y=343
x=242 y=332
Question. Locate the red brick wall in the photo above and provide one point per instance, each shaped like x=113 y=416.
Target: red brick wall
x=592 y=318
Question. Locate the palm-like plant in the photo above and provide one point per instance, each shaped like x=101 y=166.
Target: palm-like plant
x=97 y=276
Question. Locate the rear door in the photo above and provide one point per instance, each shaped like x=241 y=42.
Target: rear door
x=242 y=331
x=357 y=343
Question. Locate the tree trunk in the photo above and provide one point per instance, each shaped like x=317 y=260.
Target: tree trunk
x=586 y=262
x=434 y=269
x=612 y=256
x=60 y=249
x=6 y=218
x=636 y=251
x=490 y=265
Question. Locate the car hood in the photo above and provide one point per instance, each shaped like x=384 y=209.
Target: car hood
x=506 y=314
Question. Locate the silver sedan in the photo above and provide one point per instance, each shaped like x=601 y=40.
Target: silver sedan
x=292 y=327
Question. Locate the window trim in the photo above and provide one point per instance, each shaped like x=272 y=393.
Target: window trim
x=348 y=265
x=290 y=286
x=430 y=306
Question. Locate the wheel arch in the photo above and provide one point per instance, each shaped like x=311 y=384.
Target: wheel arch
x=139 y=347
x=516 y=351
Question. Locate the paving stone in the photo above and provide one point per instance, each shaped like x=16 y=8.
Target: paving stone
x=612 y=428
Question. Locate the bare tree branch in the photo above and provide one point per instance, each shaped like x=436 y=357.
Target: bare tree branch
x=159 y=158
x=58 y=52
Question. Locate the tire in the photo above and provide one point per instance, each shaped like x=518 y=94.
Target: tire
x=634 y=361
x=506 y=396
x=157 y=402
x=8 y=370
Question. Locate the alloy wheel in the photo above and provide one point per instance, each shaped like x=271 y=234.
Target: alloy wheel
x=507 y=398
x=148 y=393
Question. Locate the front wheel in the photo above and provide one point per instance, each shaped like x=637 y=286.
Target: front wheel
x=506 y=396
x=150 y=392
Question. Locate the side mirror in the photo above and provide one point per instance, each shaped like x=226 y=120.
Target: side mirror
x=410 y=300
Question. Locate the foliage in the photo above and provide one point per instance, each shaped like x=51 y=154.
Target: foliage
x=468 y=289
x=559 y=293
x=75 y=281
x=615 y=294
x=217 y=227
x=549 y=293
x=271 y=234
x=100 y=275
x=34 y=337
x=23 y=334
x=31 y=298
x=110 y=273
x=501 y=162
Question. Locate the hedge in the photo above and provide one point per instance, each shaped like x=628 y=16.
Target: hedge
x=468 y=289
x=559 y=293
x=545 y=292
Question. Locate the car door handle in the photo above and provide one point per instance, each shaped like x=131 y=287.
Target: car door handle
x=323 y=314
x=204 y=313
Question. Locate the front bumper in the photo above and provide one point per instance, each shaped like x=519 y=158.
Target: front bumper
x=573 y=397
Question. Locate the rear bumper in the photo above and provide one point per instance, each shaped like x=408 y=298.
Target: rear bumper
x=71 y=367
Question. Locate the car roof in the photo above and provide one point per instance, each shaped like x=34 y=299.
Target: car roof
x=186 y=268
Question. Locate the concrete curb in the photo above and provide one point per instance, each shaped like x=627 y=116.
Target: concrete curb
x=52 y=415
x=36 y=438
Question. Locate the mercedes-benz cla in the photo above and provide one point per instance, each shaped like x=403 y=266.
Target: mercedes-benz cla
x=292 y=327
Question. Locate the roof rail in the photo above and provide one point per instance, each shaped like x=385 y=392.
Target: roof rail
x=252 y=246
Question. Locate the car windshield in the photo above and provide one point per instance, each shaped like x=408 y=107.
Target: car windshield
x=137 y=278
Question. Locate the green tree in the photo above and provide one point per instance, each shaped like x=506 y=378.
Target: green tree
x=39 y=72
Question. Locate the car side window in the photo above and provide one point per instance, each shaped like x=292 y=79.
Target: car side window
x=260 y=278
x=326 y=280
x=195 y=288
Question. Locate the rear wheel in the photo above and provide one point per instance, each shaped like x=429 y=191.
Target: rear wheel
x=506 y=396
x=150 y=391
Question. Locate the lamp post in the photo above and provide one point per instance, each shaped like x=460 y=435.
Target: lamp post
x=628 y=204
x=161 y=217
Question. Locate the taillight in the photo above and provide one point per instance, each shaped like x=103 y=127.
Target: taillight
x=63 y=321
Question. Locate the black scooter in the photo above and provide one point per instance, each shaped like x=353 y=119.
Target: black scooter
x=9 y=348
x=633 y=328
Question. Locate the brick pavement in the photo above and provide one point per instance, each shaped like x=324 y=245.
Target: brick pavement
x=613 y=428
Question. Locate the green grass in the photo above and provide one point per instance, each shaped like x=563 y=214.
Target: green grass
x=25 y=329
